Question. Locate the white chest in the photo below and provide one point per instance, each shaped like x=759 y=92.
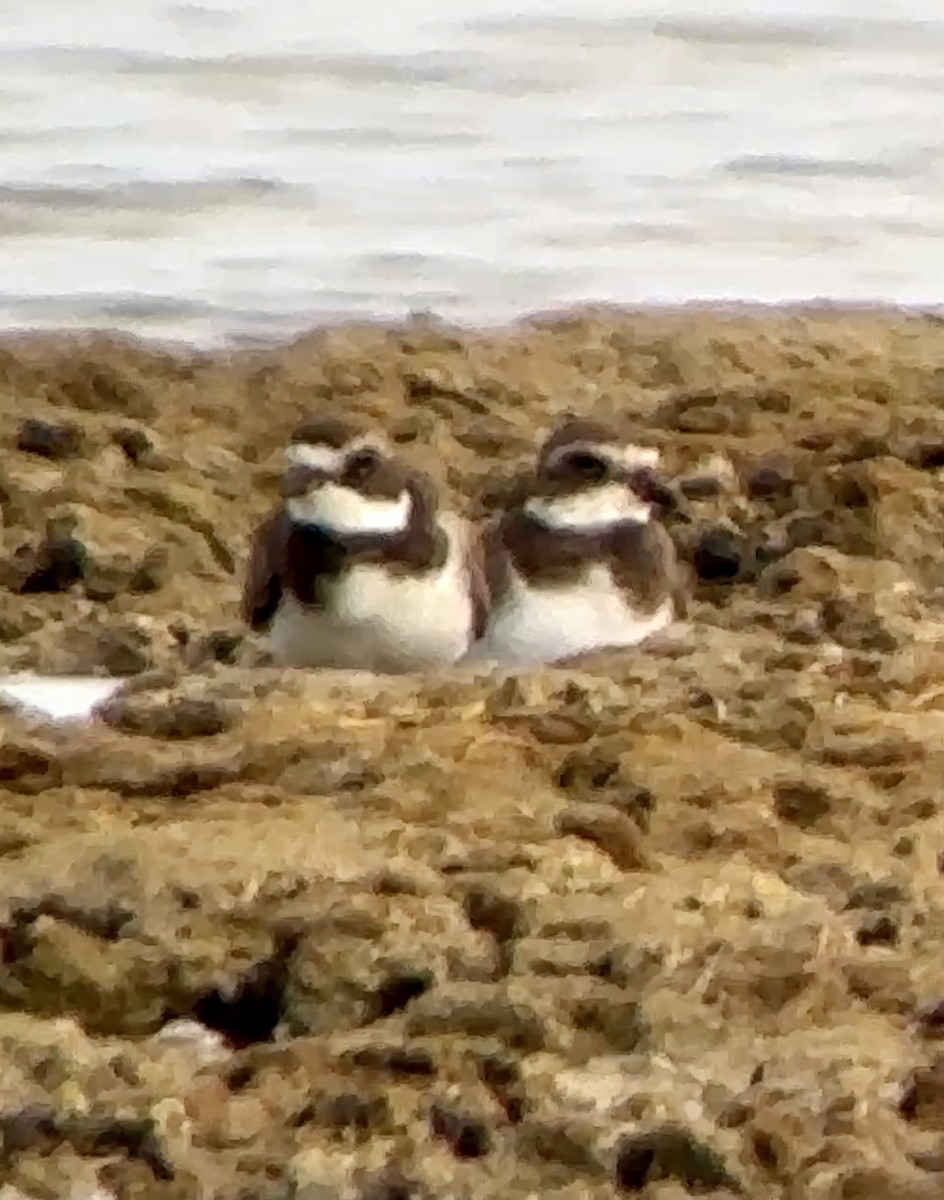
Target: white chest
x=376 y=621
x=532 y=626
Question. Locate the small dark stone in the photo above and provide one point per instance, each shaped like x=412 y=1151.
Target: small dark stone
x=856 y=629
x=771 y=399
x=636 y=802
x=705 y=420
x=875 y=894
x=931 y=1020
x=865 y=447
x=50 y=439
x=931 y=1161
x=768 y=481
x=398 y=989
x=391 y=1185
x=559 y=1143
x=589 y=775
x=135 y=1136
x=392 y=883
x=848 y=491
x=148 y=576
x=816 y=439
x=59 y=563
x=771 y=550
x=182 y=719
x=927 y=455
x=412 y=1061
x=881 y=929
x=135 y=443
x=176 y=782
x=488 y=910
x=628 y=966
x=801 y=803
x=780 y=580
x=700 y=487
x=221 y=646
x=25 y=768
x=622 y=1023
x=241 y=1076
x=718 y=556
x=670 y=1152
x=124 y=650
x=735 y=1114
x=502 y=1076
x=612 y=833
x=922 y=1098
x=487 y=1016
x=107 y=922
x=585 y=771
x=767 y=1149
x=352 y=1111
x=806 y=531
x=467 y=1136
x=250 y=1012
x=34 y=1128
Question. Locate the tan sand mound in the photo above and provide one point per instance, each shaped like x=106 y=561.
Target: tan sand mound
x=668 y=925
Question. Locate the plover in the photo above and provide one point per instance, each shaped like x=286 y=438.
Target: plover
x=577 y=562
x=359 y=567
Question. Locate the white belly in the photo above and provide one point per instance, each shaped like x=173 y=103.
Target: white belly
x=532 y=626
x=377 y=622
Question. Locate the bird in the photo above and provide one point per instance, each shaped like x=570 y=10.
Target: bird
x=577 y=561
x=359 y=566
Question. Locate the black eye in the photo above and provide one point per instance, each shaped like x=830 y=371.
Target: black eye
x=587 y=465
x=362 y=463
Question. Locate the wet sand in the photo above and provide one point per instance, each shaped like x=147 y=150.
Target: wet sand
x=551 y=934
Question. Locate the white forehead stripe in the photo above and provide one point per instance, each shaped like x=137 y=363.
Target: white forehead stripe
x=321 y=458
x=636 y=456
x=329 y=458
x=589 y=511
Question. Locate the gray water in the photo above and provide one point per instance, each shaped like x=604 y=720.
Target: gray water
x=242 y=168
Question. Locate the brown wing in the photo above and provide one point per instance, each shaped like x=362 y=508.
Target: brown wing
x=262 y=588
x=477 y=568
x=679 y=575
x=646 y=562
x=683 y=587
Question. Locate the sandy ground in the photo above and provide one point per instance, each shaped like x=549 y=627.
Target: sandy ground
x=669 y=925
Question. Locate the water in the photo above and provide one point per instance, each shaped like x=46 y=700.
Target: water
x=241 y=168
x=57 y=698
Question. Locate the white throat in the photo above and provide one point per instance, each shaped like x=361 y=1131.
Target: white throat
x=589 y=511
x=341 y=510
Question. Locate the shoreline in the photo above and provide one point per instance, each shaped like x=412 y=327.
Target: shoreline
x=239 y=342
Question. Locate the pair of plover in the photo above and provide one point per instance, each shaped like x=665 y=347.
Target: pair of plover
x=361 y=567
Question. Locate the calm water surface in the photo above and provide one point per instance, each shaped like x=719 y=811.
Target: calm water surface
x=241 y=168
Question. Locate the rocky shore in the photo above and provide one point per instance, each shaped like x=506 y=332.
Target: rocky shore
x=670 y=925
